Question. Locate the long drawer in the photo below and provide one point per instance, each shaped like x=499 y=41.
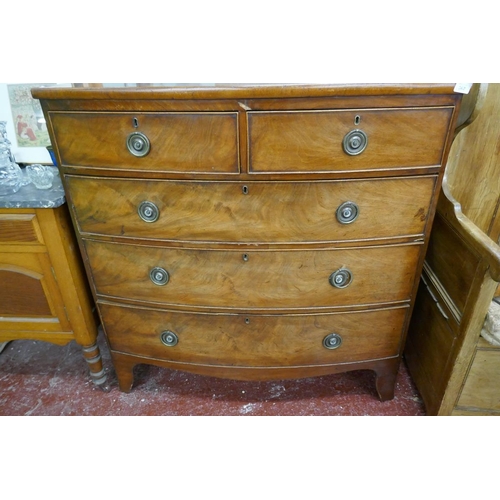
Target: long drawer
x=348 y=140
x=257 y=340
x=178 y=142
x=260 y=212
x=254 y=278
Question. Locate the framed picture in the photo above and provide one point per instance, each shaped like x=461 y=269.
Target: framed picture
x=26 y=127
x=27 y=116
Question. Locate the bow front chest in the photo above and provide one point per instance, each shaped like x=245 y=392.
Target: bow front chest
x=254 y=232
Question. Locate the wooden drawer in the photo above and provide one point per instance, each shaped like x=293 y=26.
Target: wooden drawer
x=19 y=228
x=254 y=279
x=268 y=213
x=312 y=141
x=241 y=340
x=180 y=142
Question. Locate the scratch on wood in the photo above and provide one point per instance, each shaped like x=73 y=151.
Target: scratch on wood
x=244 y=106
x=421 y=214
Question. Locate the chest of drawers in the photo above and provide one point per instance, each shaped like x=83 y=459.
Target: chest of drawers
x=254 y=232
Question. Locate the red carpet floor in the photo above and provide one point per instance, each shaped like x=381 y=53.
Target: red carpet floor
x=37 y=378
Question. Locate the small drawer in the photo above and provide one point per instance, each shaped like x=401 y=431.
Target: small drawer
x=359 y=139
x=19 y=229
x=257 y=279
x=169 y=142
x=256 y=340
x=254 y=212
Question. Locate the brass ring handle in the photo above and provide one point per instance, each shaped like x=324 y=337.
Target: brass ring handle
x=168 y=338
x=138 y=144
x=341 y=278
x=159 y=276
x=148 y=211
x=332 y=341
x=355 y=142
x=347 y=212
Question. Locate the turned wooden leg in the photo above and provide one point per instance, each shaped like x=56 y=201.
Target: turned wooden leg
x=386 y=379
x=92 y=356
x=124 y=368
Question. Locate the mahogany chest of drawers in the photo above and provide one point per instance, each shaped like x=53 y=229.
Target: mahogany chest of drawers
x=254 y=232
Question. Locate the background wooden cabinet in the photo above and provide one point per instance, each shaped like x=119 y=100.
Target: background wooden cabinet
x=455 y=370
x=44 y=294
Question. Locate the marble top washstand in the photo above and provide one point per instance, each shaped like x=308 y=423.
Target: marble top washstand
x=31 y=197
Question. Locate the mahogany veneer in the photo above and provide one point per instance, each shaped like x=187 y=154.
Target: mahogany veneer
x=214 y=227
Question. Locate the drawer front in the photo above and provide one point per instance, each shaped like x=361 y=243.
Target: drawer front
x=312 y=141
x=19 y=229
x=259 y=212
x=179 y=142
x=254 y=279
x=240 y=340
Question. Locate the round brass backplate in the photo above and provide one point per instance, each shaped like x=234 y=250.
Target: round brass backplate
x=138 y=144
x=355 y=142
x=332 y=341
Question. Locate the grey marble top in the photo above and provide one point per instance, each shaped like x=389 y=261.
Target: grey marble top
x=31 y=197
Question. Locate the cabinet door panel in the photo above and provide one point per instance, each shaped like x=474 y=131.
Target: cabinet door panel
x=30 y=298
x=22 y=294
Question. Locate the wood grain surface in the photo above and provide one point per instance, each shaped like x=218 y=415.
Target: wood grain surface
x=481 y=387
x=271 y=212
x=245 y=91
x=457 y=274
x=247 y=180
x=475 y=161
x=19 y=227
x=312 y=141
x=430 y=341
x=242 y=340
x=190 y=142
x=269 y=279
x=22 y=294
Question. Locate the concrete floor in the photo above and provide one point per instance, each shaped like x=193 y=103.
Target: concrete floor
x=37 y=378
